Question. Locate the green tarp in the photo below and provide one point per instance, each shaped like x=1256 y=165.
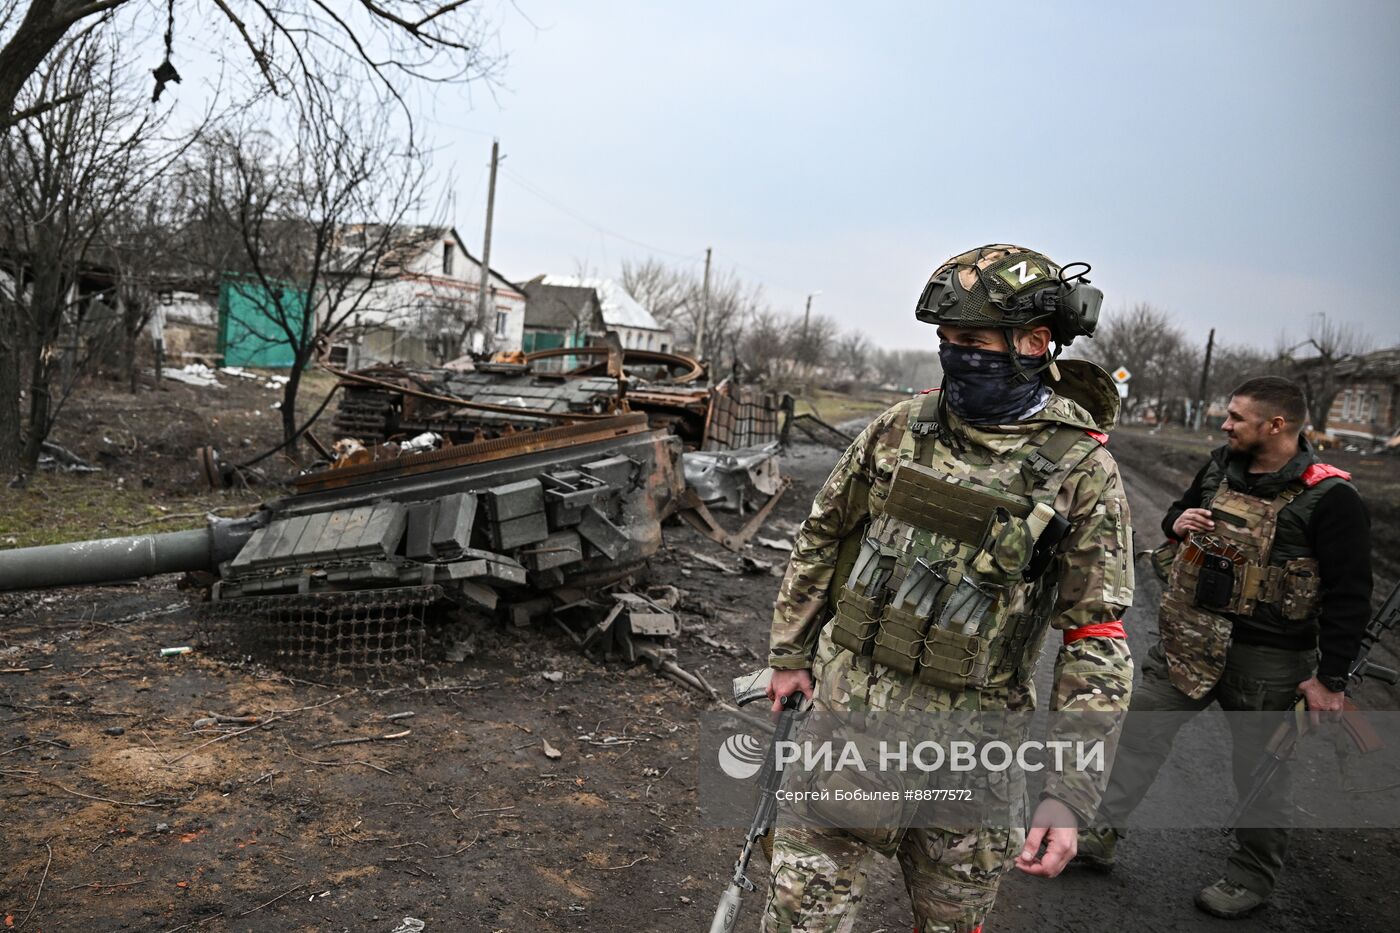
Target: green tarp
x=251 y=332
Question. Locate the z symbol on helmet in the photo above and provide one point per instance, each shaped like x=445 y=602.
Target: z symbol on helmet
x=1023 y=273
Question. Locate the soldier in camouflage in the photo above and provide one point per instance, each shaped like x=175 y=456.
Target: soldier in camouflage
x=1267 y=576
x=1010 y=424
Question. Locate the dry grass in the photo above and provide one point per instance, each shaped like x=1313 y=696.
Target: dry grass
x=836 y=407
x=57 y=508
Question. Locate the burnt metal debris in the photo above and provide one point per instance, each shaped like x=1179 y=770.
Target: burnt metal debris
x=740 y=481
x=505 y=494
x=501 y=399
x=495 y=399
x=381 y=563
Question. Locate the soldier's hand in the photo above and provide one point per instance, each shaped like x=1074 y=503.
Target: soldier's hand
x=1055 y=827
x=786 y=683
x=1192 y=520
x=1323 y=704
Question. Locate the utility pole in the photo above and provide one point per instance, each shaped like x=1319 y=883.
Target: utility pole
x=807 y=319
x=704 y=308
x=1205 y=374
x=486 y=246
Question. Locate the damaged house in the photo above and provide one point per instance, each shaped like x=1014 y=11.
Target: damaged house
x=566 y=313
x=1366 y=409
x=425 y=310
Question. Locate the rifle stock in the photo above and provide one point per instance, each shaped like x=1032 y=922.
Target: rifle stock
x=727 y=912
x=1295 y=724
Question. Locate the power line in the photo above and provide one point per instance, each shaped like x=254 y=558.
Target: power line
x=511 y=174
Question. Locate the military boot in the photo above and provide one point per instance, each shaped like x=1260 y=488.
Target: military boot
x=1228 y=900
x=1096 y=848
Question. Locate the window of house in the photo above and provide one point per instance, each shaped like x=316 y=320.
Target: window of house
x=1346 y=405
x=501 y=319
x=447 y=252
x=649 y=339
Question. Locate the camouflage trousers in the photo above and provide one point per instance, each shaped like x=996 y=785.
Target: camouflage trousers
x=818 y=878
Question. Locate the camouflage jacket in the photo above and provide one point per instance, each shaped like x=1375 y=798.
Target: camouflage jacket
x=1092 y=673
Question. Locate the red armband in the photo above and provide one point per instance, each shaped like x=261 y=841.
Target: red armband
x=1098 y=630
x=1099 y=436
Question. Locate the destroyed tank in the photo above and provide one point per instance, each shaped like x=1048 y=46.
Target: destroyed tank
x=495 y=399
x=356 y=566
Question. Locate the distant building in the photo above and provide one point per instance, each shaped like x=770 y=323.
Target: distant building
x=425 y=310
x=1367 y=406
x=618 y=311
x=186 y=323
x=559 y=316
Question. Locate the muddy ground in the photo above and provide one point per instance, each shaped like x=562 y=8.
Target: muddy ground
x=117 y=812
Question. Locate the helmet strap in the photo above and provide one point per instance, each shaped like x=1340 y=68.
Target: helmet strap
x=1022 y=373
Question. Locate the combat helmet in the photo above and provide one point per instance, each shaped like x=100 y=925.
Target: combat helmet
x=1005 y=286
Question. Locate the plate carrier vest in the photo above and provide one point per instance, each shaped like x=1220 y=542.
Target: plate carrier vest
x=1227 y=572
x=948 y=585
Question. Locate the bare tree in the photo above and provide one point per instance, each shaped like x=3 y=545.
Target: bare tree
x=908 y=370
x=65 y=175
x=677 y=297
x=813 y=340
x=1314 y=363
x=290 y=42
x=853 y=354
x=299 y=216
x=665 y=291
x=766 y=348
x=1154 y=350
x=733 y=304
x=145 y=249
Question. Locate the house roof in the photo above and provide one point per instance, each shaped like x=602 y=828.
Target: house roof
x=619 y=308
x=559 y=307
x=413 y=240
x=1382 y=364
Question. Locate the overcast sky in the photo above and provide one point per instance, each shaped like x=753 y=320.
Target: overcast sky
x=1232 y=163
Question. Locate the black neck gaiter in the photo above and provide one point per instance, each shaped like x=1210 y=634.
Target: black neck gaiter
x=981 y=386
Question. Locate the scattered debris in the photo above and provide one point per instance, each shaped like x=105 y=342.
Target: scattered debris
x=361 y=740
x=818 y=431
x=751 y=564
x=550 y=751
x=172 y=652
x=498 y=398
x=195 y=374
x=738 y=481
x=777 y=544
x=362 y=566
x=711 y=562
x=553 y=677
x=218 y=720
x=52 y=455
x=733 y=480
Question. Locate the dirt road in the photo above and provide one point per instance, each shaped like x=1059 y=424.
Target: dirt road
x=118 y=811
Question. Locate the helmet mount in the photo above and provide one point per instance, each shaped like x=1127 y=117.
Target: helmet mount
x=1005 y=287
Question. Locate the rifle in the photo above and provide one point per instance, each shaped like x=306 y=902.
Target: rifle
x=1295 y=724
x=746 y=690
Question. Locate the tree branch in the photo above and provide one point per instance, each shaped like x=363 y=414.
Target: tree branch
x=42 y=108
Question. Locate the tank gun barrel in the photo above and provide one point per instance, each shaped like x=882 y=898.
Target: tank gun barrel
x=110 y=560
